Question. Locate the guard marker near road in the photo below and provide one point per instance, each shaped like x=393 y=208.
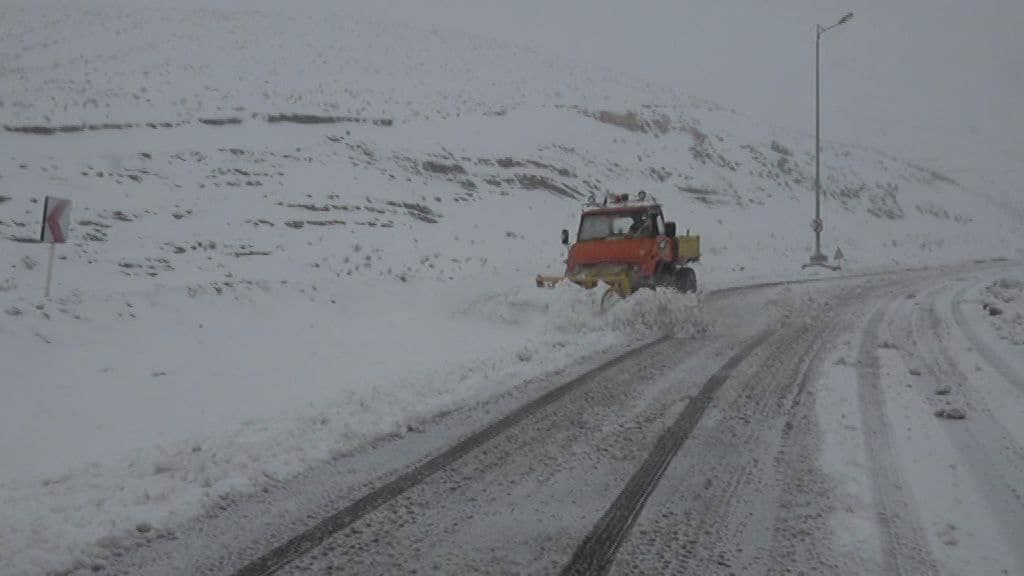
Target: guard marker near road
x=56 y=220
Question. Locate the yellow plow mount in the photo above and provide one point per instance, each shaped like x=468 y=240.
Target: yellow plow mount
x=618 y=284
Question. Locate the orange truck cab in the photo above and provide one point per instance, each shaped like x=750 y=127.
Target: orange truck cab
x=629 y=245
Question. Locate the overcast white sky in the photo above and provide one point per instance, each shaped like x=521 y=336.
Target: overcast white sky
x=937 y=80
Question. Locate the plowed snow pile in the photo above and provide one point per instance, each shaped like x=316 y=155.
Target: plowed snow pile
x=647 y=313
x=570 y=311
x=1004 y=302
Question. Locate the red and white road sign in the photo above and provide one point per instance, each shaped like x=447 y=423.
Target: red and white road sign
x=56 y=219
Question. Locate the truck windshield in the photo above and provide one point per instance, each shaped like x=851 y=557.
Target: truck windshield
x=628 y=225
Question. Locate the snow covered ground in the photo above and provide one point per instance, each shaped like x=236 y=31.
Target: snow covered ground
x=297 y=229
x=944 y=429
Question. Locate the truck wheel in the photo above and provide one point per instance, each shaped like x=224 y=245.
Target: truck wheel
x=687 y=280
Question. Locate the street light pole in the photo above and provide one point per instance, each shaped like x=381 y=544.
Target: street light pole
x=818 y=258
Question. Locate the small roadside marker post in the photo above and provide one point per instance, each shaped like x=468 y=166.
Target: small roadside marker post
x=56 y=220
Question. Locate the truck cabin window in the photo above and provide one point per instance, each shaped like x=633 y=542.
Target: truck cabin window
x=621 y=225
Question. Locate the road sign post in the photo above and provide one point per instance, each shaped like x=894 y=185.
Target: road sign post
x=56 y=220
x=49 y=269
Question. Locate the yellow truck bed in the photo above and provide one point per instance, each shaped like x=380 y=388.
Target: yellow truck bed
x=689 y=247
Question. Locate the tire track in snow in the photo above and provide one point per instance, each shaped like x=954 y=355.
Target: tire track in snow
x=996 y=460
x=944 y=367
x=597 y=551
x=720 y=512
x=715 y=512
x=767 y=522
x=297 y=546
x=904 y=543
x=1008 y=372
x=786 y=523
x=801 y=534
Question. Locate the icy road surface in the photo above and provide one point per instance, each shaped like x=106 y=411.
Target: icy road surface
x=814 y=427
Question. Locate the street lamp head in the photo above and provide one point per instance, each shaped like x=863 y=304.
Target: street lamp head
x=846 y=18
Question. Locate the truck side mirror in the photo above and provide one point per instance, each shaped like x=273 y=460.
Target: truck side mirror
x=670 y=229
x=565 y=237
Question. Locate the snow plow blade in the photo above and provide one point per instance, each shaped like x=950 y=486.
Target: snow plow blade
x=618 y=283
x=548 y=281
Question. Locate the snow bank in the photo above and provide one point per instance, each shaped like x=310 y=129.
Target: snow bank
x=108 y=451
x=1003 y=300
x=571 y=310
x=647 y=313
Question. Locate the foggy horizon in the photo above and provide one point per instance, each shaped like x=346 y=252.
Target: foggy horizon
x=932 y=83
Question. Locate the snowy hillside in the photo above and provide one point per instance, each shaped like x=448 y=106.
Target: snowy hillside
x=295 y=230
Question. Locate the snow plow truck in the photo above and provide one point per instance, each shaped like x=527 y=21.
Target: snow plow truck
x=628 y=245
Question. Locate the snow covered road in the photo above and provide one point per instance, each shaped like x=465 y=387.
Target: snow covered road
x=806 y=430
